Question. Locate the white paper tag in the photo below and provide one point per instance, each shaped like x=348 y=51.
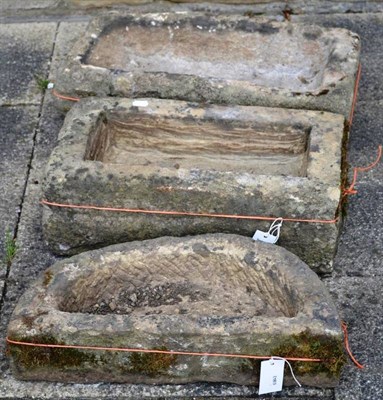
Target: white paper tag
x=265 y=237
x=272 y=235
x=140 y=103
x=271 y=379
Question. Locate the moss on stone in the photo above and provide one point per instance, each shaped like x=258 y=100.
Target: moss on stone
x=151 y=364
x=308 y=345
x=31 y=357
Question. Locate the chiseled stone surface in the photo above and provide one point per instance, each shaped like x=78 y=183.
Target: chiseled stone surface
x=221 y=59
x=288 y=165
x=210 y=293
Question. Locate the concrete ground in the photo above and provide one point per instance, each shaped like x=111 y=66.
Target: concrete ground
x=32 y=42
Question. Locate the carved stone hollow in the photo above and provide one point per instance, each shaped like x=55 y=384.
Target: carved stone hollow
x=175 y=156
x=211 y=293
x=222 y=60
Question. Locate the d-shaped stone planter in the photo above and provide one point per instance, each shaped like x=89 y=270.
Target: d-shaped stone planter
x=225 y=59
x=175 y=156
x=211 y=293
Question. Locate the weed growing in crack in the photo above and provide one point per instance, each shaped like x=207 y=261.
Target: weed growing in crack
x=42 y=83
x=10 y=247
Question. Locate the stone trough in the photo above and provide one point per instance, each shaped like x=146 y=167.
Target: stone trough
x=222 y=60
x=166 y=155
x=211 y=293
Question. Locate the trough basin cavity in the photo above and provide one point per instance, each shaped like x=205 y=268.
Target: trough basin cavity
x=213 y=293
x=173 y=156
x=137 y=139
x=225 y=59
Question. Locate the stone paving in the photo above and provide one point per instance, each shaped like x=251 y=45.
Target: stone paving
x=31 y=45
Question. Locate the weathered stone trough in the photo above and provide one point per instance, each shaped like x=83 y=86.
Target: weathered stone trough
x=224 y=60
x=211 y=293
x=166 y=155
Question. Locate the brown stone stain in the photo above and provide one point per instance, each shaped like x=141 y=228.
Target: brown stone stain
x=47 y=277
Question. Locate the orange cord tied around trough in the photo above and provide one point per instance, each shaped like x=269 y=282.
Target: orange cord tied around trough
x=351 y=188
x=153 y=351
x=348 y=191
x=347 y=346
x=184 y=213
x=358 y=75
x=185 y=353
x=62 y=97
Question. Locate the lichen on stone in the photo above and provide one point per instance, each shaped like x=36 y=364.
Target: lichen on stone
x=309 y=345
x=151 y=364
x=31 y=357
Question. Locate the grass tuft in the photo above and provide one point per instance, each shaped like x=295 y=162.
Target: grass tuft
x=42 y=83
x=10 y=248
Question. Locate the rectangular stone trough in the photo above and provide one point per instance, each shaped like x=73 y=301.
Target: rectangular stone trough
x=205 y=294
x=164 y=155
x=222 y=60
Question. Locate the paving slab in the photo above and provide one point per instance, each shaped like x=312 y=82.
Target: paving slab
x=67 y=35
x=360 y=385
x=31 y=256
x=360 y=300
x=11 y=5
x=25 y=52
x=368 y=125
x=29 y=235
x=17 y=133
x=362 y=236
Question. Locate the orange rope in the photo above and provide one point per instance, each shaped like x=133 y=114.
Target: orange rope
x=62 y=97
x=358 y=75
x=186 y=353
x=350 y=189
x=347 y=345
x=182 y=353
x=346 y=192
x=185 y=213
